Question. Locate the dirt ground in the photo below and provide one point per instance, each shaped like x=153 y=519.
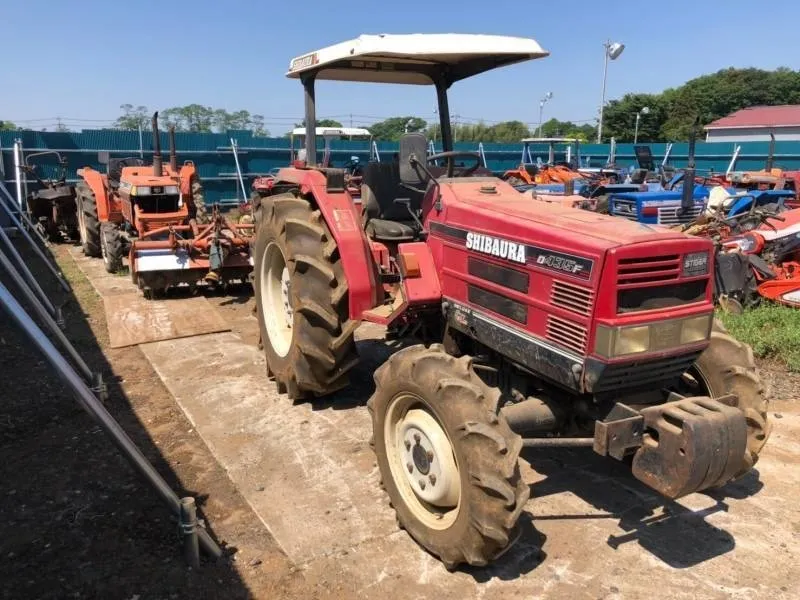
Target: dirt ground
x=79 y=523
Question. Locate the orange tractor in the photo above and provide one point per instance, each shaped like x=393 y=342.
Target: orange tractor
x=156 y=216
x=529 y=172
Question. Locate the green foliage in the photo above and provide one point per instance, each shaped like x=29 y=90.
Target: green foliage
x=7 y=126
x=321 y=123
x=710 y=97
x=393 y=128
x=556 y=128
x=193 y=117
x=772 y=331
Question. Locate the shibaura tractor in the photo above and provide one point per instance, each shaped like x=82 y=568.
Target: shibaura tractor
x=541 y=326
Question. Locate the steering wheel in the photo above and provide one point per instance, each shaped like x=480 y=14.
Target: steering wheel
x=451 y=163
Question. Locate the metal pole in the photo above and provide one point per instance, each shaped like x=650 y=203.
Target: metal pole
x=188 y=520
x=36 y=248
x=558 y=442
x=541 y=110
x=603 y=97
x=141 y=143
x=54 y=327
x=30 y=279
x=24 y=179
x=636 y=130
x=18 y=174
x=2 y=164
x=234 y=146
x=95 y=408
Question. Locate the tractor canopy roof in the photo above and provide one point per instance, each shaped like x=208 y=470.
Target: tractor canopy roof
x=335 y=131
x=418 y=59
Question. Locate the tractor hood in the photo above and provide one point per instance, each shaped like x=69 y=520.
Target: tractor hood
x=490 y=205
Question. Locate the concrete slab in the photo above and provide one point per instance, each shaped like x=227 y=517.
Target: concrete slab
x=591 y=530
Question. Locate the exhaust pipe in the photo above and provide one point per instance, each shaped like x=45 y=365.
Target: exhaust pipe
x=771 y=155
x=687 y=198
x=533 y=415
x=173 y=158
x=157 y=169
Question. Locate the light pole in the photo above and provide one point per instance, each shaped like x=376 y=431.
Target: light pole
x=547 y=97
x=611 y=51
x=644 y=111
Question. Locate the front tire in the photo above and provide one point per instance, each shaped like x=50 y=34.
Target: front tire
x=302 y=299
x=112 y=246
x=432 y=416
x=727 y=367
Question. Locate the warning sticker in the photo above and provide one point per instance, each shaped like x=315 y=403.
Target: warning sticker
x=344 y=219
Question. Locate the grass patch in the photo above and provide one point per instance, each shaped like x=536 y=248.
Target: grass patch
x=772 y=331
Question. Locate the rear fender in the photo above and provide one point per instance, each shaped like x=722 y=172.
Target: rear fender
x=784 y=291
x=336 y=207
x=97 y=183
x=186 y=173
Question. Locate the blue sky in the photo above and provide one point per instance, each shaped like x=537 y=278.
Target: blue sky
x=86 y=57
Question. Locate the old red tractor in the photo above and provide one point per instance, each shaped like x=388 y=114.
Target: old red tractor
x=541 y=326
x=156 y=216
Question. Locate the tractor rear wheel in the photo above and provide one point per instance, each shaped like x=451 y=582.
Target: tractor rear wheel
x=88 y=223
x=448 y=459
x=112 y=246
x=302 y=299
x=727 y=367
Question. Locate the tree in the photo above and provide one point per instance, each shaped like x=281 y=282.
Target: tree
x=510 y=131
x=619 y=117
x=192 y=117
x=392 y=129
x=132 y=117
x=7 y=126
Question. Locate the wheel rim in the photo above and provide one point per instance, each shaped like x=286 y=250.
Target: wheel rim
x=422 y=462
x=694 y=383
x=103 y=248
x=276 y=303
x=81 y=223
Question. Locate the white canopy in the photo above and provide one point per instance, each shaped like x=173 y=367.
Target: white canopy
x=415 y=58
x=335 y=131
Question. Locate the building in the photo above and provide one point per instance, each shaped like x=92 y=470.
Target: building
x=754 y=124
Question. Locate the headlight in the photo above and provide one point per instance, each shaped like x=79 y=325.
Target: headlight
x=694 y=264
x=612 y=342
x=171 y=190
x=141 y=190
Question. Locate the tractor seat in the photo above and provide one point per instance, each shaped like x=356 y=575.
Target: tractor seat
x=384 y=219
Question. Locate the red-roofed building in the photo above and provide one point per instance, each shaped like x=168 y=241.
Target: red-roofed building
x=754 y=124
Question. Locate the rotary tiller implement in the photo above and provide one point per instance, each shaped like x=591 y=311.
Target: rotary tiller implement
x=215 y=253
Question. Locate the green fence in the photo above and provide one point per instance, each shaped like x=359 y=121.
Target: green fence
x=212 y=154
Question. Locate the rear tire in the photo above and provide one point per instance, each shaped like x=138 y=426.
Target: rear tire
x=432 y=415
x=302 y=299
x=88 y=223
x=727 y=367
x=112 y=246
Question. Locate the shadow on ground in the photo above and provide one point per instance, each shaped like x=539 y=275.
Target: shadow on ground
x=77 y=520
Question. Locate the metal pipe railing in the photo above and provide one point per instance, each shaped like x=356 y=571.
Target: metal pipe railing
x=95 y=408
x=30 y=279
x=93 y=379
x=34 y=246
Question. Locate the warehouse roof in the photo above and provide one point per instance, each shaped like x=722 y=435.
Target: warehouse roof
x=786 y=115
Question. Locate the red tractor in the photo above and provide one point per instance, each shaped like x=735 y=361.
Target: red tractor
x=541 y=326
x=156 y=216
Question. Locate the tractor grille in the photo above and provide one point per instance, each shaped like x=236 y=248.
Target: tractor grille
x=648 y=270
x=668 y=215
x=158 y=203
x=575 y=298
x=625 y=208
x=566 y=333
x=644 y=374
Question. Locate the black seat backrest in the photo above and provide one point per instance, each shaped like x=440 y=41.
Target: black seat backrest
x=531 y=169
x=115 y=166
x=380 y=186
x=639 y=175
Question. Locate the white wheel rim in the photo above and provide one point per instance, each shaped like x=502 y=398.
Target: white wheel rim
x=422 y=462
x=103 y=249
x=276 y=299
